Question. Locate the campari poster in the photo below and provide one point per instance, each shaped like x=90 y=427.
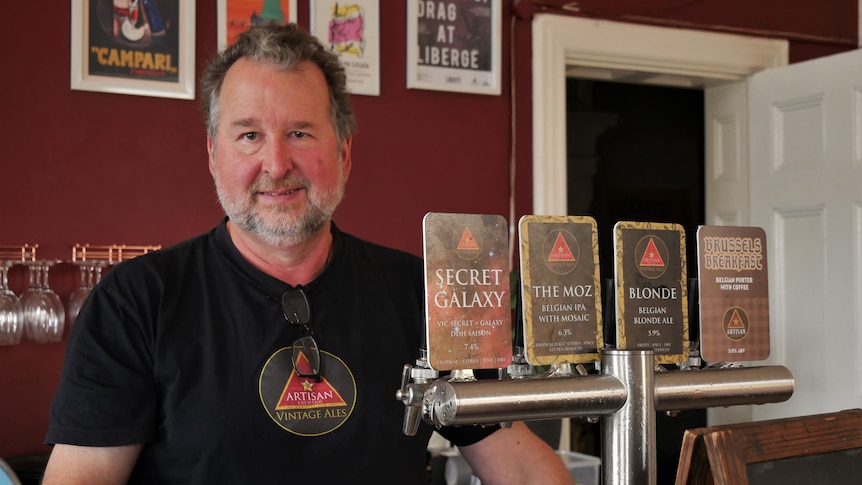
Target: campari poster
x=139 y=40
x=143 y=47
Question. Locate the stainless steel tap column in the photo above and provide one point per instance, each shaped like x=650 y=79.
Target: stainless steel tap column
x=628 y=436
x=485 y=402
x=709 y=388
x=626 y=395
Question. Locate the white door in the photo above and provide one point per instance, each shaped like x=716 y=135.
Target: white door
x=727 y=184
x=804 y=187
x=726 y=170
x=806 y=192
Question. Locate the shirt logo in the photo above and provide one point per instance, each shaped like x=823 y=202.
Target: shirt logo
x=302 y=406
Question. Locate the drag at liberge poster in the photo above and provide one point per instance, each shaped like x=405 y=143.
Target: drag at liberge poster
x=454 y=45
x=133 y=47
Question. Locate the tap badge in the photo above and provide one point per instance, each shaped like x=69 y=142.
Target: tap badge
x=468 y=247
x=563 y=251
x=651 y=254
x=301 y=405
x=735 y=323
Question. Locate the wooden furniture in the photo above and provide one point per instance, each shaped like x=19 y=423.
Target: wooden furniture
x=824 y=448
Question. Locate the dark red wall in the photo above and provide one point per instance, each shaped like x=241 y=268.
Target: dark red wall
x=85 y=167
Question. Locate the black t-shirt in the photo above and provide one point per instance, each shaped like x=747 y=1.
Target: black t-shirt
x=187 y=350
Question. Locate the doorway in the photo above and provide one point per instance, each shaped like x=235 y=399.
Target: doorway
x=636 y=152
x=566 y=47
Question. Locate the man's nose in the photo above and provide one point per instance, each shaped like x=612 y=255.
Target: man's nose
x=277 y=158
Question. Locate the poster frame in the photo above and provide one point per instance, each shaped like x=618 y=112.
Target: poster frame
x=82 y=80
x=361 y=63
x=435 y=78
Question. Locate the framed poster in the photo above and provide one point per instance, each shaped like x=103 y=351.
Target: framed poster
x=454 y=45
x=351 y=30
x=144 y=47
x=234 y=16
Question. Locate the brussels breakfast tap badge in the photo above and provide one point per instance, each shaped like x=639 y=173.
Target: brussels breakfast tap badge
x=734 y=294
x=467 y=303
x=651 y=285
x=560 y=289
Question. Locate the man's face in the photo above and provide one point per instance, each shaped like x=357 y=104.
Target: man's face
x=277 y=167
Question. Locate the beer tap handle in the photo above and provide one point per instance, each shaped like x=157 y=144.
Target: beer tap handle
x=609 y=314
x=405 y=379
x=415 y=379
x=407 y=395
x=519 y=368
x=518 y=334
x=412 y=416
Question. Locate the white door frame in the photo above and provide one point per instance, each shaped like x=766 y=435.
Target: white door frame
x=560 y=42
x=606 y=50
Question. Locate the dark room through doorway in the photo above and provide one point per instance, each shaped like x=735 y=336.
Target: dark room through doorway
x=636 y=152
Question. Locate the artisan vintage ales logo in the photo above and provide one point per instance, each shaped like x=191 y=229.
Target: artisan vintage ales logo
x=302 y=405
x=562 y=250
x=651 y=254
x=468 y=247
x=735 y=323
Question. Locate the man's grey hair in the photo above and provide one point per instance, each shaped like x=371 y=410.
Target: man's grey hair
x=284 y=47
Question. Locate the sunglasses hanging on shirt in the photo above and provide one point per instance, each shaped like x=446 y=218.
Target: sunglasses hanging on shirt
x=306 y=353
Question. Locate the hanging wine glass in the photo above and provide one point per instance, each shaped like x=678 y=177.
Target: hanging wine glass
x=56 y=323
x=44 y=313
x=99 y=267
x=85 y=286
x=31 y=293
x=11 y=317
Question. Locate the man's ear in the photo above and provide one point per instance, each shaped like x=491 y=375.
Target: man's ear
x=210 y=153
x=346 y=156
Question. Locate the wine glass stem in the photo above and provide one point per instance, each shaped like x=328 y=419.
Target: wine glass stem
x=31 y=275
x=4 y=277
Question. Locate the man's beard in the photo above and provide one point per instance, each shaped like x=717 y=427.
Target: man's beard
x=279 y=225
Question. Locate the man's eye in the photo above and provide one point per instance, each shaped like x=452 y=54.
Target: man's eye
x=252 y=136
x=300 y=134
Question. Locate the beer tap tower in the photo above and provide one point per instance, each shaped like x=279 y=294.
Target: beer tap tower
x=625 y=395
x=630 y=386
